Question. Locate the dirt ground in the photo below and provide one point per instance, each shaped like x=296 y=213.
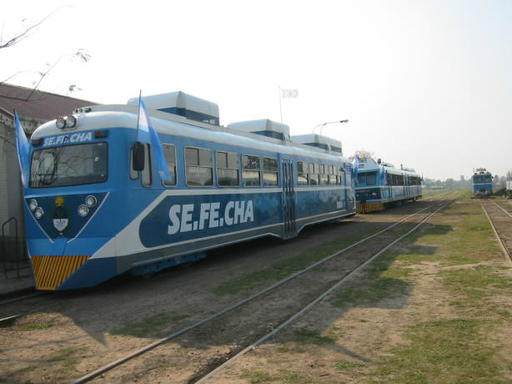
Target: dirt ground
x=356 y=342
x=64 y=336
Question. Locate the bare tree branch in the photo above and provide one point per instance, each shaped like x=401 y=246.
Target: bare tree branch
x=16 y=39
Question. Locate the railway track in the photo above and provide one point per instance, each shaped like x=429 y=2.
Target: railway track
x=312 y=303
x=501 y=223
x=380 y=240
x=17 y=298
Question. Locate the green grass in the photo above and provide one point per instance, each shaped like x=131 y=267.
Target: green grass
x=441 y=351
x=307 y=336
x=62 y=354
x=148 y=327
x=257 y=376
x=345 y=365
x=284 y=268
x=39 y=325
x=451 y=350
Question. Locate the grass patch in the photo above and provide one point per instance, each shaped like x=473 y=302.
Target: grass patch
x=39 y=325
x=307 y=336
x=149 y=326
x=284 y=268
x=62 y=354
x=345 y=365
x=442 y=351
x=257 y=376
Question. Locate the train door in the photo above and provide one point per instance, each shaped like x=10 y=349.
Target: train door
x=288 y=199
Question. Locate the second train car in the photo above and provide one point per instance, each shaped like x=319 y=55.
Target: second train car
x=481 y=183
x=92 y=212
x=379 y=184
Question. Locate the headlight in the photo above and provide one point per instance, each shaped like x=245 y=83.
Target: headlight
x=32 y=204
x=70 y=121
x=38 y=213
x=91 y=201
x=83 y=210
x=61 y=122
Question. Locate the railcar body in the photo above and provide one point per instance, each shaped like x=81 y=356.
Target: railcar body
x=509 y=187
x=481 y=183
x=379 y=184
x=91 y=216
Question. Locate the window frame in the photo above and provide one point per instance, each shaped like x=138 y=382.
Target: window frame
x=227 y=163
x=175 y=165
x=212 y=167
x=253 y=170
x=276 y=172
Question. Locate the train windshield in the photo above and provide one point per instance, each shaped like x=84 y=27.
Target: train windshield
x=367 y=178
x=69 y=165
x=479 y=179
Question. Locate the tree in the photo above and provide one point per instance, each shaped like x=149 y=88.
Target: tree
x=80 y=54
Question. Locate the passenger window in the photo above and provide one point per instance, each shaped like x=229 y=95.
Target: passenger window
x=313 y=174
x=199 y=169
x=251 y=174
x=146 y=172
x=342 y=177
x=302 y=176
x=170 y=158
x=228 y=169
x=270 y=171
x=324 y=178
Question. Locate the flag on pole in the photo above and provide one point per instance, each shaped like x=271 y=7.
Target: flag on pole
x=22 y=149
x=289 y=93
x=356 y=167
x=147 y=134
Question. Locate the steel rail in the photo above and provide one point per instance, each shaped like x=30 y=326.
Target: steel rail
x=9 y=318
x=24 y=297
x=316 y=300
x=88 y=377
x=503 y=209
x=508 y=257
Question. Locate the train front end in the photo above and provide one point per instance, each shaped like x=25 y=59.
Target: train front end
x=71 y=200
x=482 y=183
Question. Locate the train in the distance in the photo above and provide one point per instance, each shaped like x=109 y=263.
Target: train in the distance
x=379 y=184
x=508 y=185
x=481 y=183
x=95 y=205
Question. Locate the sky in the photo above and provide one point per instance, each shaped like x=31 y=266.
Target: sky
x=426 y=84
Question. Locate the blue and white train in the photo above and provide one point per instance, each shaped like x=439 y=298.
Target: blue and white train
x=96 y=207
x=379 y=184
x=481 y=183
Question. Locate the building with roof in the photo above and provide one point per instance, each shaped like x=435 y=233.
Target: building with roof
x=34 y=108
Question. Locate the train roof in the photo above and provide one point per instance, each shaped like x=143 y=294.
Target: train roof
x=369 y=164
x=481 y=171
x=125 y=115
x=182 y=104
x=263 y=127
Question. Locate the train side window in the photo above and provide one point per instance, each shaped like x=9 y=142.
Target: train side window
x=313 y=173
x=270 y=176
x=199 y=167
x=302 y=175
x=251 y=173
x=332 y=175
x=228 y=169
x=133 y=173
x=170 y=158
x=324 y=178
x=146 y=172
x=342 y=177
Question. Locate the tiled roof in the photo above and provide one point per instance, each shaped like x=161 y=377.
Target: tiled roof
x=41 y=105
